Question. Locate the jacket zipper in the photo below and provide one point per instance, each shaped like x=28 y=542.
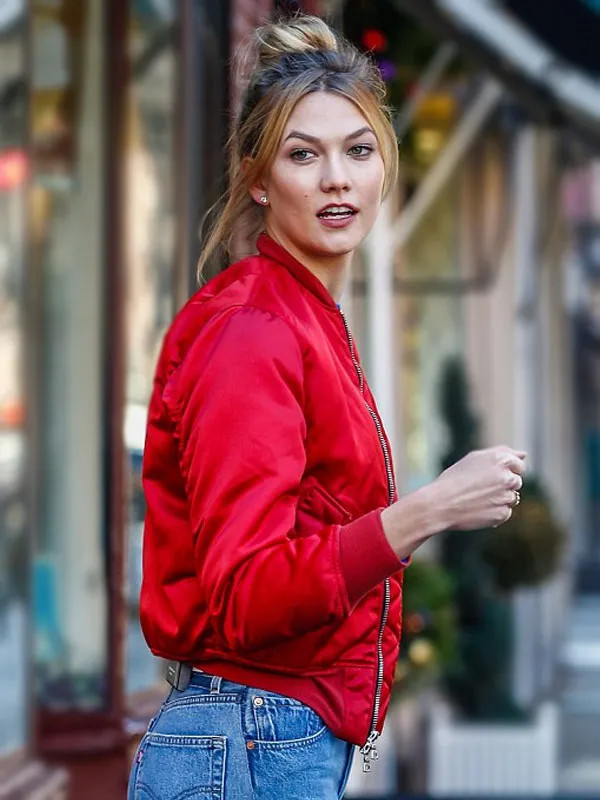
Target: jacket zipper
x=369 y=749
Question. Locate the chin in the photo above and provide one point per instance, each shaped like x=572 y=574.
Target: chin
x=337 y=243
x=342 y=245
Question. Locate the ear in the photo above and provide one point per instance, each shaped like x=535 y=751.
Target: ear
x=258 y=190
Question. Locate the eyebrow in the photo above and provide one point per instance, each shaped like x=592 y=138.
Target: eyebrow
x=307 y=137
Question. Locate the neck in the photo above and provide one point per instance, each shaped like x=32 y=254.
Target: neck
x=330 y=270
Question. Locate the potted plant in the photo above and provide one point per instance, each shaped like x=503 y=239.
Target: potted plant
x=527 y=549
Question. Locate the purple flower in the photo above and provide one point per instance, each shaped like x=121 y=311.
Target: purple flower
x=387 y=68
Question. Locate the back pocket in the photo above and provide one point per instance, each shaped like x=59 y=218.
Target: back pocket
x=180 y=768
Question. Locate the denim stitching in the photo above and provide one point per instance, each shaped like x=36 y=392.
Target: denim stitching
x=142 y=787
x=274 y=703
x=194 y=701
x=218 y=743
x=245 y=735
x=283 y=743
x=216 y=794
x=223 y=769
x=206 y=742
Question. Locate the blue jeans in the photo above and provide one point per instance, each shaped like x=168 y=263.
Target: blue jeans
x=219 y=740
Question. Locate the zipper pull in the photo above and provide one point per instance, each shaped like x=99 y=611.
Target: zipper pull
x=369 y=751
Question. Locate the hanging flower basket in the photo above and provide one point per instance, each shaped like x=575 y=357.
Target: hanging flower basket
x=526 y=550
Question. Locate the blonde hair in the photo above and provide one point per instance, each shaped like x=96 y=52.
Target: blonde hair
x=289 y=60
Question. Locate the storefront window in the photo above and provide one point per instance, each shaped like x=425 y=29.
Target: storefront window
x=67 y=256
x=451 y=258
x=150 y=268
x=429 y=330
x=13 y=540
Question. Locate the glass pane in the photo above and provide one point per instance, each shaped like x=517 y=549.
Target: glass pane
x=70 y=597
x=13 y=542
x=150 y=264
x=429 y=331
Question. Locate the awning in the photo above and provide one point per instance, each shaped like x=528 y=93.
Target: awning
x=547 y=53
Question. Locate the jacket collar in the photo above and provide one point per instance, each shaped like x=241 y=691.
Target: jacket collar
x=270 y=248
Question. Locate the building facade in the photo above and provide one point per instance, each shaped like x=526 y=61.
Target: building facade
x=113 y=123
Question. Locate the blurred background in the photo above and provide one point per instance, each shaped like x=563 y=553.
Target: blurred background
x=476 y=305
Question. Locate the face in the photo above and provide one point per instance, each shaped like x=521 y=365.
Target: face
x=325 y=184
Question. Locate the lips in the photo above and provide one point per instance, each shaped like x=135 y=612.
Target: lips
x=337 y=211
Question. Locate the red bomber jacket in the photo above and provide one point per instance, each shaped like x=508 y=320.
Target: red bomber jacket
x=265 y=471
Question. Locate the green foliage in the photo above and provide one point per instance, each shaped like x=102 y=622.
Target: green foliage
x=409 y=45
x=485 y=565
x=429 y=642
x=408 y=50
x=479 y=680
x=455 y=408
x=527 y=549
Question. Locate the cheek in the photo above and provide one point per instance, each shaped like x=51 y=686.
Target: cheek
x=371 y=180
x=292 y=202
x=372 y=194
x=379 y=182
x=292 y=185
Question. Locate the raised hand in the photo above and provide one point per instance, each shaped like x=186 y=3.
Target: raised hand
x=482 y=488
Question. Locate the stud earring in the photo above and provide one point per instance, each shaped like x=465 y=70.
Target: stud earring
x=264 y=199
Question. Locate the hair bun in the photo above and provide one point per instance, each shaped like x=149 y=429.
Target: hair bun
x=298 y=35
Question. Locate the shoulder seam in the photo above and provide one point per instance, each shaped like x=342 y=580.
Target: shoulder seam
x=233 y=307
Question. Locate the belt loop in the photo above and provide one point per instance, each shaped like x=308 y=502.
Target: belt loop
x=215 y=684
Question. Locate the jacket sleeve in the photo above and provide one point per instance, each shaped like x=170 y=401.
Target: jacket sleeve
x=237 y=403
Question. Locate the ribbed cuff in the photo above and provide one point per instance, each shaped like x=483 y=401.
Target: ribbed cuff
x=366 y=555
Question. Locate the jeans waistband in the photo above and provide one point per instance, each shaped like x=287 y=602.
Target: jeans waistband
x=214 y=683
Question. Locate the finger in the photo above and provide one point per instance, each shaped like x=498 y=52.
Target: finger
x=514 y=481
x=510 y=499
x=511 y=451
x=515 y=465
x=504 y=452
x=507 y=515
x=504 y=455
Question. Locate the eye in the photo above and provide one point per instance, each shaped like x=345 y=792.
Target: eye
x=361 y=150
x=301 y=155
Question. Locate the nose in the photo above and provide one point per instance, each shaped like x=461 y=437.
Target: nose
x=335 y=177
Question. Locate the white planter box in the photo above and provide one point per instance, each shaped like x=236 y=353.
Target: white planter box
x=492 y=759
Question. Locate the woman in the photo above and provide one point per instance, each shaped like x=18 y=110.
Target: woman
x=275 y=541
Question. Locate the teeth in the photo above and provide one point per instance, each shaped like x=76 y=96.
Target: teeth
x=342 y=211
